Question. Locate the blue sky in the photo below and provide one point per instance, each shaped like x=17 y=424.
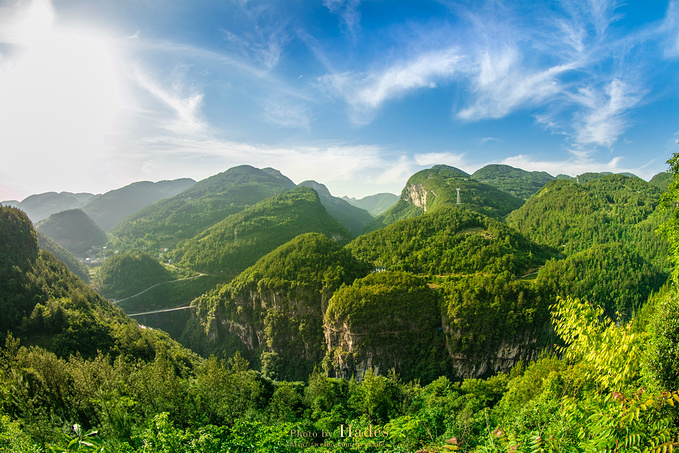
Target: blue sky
x=355 y=94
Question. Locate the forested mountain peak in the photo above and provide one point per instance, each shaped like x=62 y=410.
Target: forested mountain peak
x=74 y=230
x=18 y=239
x=241 y=239
x=351 y=217
x=515 y=181
x=591 y=176
x=241 y=175
x=445 y=186
x=41 y=206
x=109 y=209
x=306 y=258
x=164 y=223
x=449 y=170
x=320 y=189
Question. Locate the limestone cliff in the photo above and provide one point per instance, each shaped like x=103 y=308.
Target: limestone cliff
x=418 y=195
x=386 y=320
x=273 y=312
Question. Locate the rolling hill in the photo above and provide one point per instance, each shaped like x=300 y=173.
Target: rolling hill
x=449 y=241
x=350 y=217
x=374 y=204
x=438 y=187
x=108 y=209
x=520 y=183
x=166 y=222
x=239 y=240
x=662 y=180
x=73 y=230
x=41 y=206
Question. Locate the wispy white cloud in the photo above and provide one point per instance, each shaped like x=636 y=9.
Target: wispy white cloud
x=670 y=28
x=366 y=92
x=260 y=46
x=349 y=13
x=261 y=35
x=281 y=114
x=570 y=69
x=183 y=102
x=484 y=140
x=603 y=117
x=501 y=85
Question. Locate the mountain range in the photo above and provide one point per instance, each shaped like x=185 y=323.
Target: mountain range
x=502 y=242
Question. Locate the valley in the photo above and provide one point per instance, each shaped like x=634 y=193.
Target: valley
x=261 y=306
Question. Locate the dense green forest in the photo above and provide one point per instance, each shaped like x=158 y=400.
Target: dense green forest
x=74 y=231
x=448 y=331
x=450 y=241
x=520 y=183
x=438 y=187
x=272 y=312
x=126 y=274
x=239 y=240
x=166 y=222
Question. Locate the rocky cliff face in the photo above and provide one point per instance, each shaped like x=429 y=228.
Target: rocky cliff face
x=419 y=196
x=277 y=327
x=501 y=358
x=417 y=352
x=382 y=322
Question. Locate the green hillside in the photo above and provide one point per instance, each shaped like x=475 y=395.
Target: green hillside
x=109 y=209
x=43 y=303
x=73 y=230
x=350 y=217
x=591 y=176
x=437 y=187
x=573 y=217
x=239 y=240
x=520 y=183
x=472 y=354
x=662 y=180
x=166 y=222
x=449 y=241
x=74 y=265
x=124 y=275
x=272 y=312
x=374 y=204
x=388 y=319
x=41 y=206
x=614 y=276
x=606 y=228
